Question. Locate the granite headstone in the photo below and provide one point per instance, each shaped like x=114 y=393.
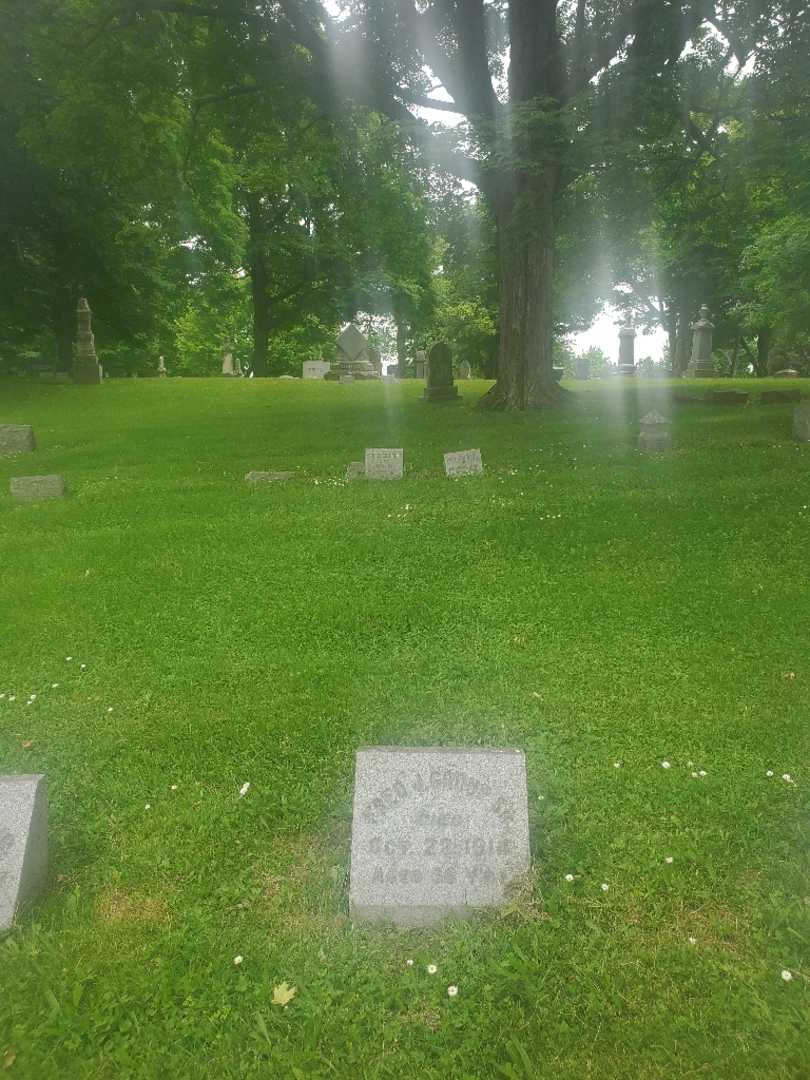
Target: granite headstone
x=23 y=842
x=463 y=463
x=315 y=369
x=440 y=385
x=384 y=463
x=37 y=488
x=16 y=439
x=436 y=832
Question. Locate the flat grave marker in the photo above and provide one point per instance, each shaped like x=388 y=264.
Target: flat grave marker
x=16 y=439
x=463 y=463
x=384 y=463
x=37 y=488
x=23 y=842
x=436 y=831
x=256 y=476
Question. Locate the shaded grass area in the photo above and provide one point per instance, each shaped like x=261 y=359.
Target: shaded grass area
x=581 y=601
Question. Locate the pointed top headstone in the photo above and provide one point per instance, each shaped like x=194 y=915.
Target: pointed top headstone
x=352 y=342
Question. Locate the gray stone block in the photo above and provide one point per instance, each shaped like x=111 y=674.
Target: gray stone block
x=801 y=423
x=16 y=439
x=384 y=464
x=37 y=488
x=463 y=463
x=23 y=842
x=258 y=477
x=436 y=832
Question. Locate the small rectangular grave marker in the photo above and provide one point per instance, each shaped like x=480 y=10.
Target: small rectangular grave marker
x=383 y=463
x=36 y=488
x=23 y=842
x=315 y=369
x=436 y=831
x=463 y=463
x=16 y=439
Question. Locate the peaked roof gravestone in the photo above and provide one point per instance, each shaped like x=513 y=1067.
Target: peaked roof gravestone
x=384 y=463
x=436 y=832
x=16 y=439
x=463 y=463
x=86 y=368
x=440 y=385
x=23 y=842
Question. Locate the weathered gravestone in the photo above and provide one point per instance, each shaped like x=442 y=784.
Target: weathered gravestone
x=23 y=842
x=464 y=370
x=314 y=369
x=440 y=386
x=256 y=476
x=701 y=364
x=86 y=368
x=16 y=439
x=436 y=832
x=654 y=436
x=420 y=364
x=37 y=488
x=463 y=463
x=382 y=463
x=352 y=356
x=801 y=423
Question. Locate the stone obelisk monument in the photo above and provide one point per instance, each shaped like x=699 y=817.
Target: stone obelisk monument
x=86 y=368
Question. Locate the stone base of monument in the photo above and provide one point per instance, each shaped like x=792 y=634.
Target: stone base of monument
x=726 y=397
x=88 y=374
x=23 y=842
x=440 y=393
x=627 y=369
x=436 y=832
x=704 y=369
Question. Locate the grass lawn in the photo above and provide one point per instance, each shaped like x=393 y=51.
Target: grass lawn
x=602 y=610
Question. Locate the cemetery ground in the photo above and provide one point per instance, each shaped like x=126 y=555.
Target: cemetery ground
x=637 y=624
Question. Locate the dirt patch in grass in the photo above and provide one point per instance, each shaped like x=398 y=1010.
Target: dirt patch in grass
x=118 y=908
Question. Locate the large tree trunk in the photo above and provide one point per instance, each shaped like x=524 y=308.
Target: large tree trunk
x=764 y=338
x=257 y=266
x=525 y=368
x=63 y=315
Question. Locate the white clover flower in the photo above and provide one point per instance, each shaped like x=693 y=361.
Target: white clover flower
x=110 y=709
x=2 y=696
x=769 y=772
x=243 y=790
x=237 y=960
x=13 y=697
x=452 y=991
x=785 y=775
x=665 y=765
x=432 y=969
x=54 y=686
x=694 y=775
x=540 y=798
x=692 y=940
x=409 y=963
x=604 y=887
x=787 y=975
x=617 y=764
x=82 y=667
x=33 y=697
x=174 y=787
x=68 y=658
x=669 y=859
x=148 y=806
x=702 y=772
x=569 y=877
